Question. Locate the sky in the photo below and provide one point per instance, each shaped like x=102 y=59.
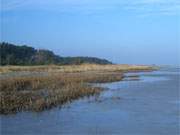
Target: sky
x=122 y=31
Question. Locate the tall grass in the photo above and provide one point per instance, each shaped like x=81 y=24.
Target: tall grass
x=75 y=68
x=61 y=84
x=43 y=92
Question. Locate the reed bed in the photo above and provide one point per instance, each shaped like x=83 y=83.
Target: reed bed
x=57 y=86
x=44 y=92
x=75 y=68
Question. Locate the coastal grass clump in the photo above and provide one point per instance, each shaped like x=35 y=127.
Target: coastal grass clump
x=12 y=102
x=44 y=92
x=36 y=88
x=76 y=68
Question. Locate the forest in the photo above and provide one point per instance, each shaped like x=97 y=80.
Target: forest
x=25 y=55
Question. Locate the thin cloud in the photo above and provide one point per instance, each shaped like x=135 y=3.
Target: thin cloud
x=143 y=7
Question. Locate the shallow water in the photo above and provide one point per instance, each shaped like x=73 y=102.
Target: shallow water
x=150 y=106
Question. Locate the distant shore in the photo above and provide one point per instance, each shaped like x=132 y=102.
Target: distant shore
x=36 y=88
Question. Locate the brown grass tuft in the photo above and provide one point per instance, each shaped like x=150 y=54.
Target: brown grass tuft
x=57 y=85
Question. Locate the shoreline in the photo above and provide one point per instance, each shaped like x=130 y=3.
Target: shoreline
x=38 y=93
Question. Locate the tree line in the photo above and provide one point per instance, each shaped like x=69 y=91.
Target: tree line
x=11 y=54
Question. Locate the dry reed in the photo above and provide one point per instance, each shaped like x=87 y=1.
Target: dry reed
x=61 y=84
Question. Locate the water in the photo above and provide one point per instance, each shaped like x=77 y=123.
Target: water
x=150 y=106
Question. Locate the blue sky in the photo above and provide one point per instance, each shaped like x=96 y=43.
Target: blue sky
x=123 y=31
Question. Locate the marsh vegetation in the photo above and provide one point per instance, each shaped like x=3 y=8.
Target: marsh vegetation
x=54 y=85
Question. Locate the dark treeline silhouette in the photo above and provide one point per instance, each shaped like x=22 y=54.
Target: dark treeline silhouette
x=24 y=55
